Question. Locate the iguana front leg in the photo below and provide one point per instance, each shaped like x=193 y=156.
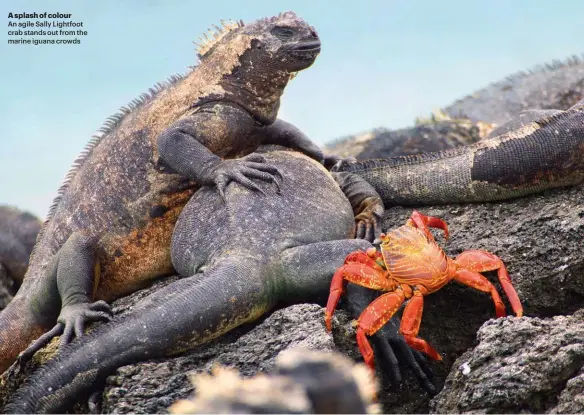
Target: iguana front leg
x=70 y=281
x=283 y=133
x=194 y=147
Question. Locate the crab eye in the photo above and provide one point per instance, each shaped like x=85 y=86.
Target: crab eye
x=283 y=32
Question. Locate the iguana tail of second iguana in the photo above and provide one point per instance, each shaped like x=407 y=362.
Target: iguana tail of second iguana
x=220 y=301
x=541 y=150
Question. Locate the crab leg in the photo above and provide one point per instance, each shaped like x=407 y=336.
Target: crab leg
x=373 y=318
x=410 y=325
x=481 y=261
x=423 y=223
x=481 y=283
x=358 y=273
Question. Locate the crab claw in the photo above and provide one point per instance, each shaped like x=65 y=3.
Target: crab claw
x=423 y=223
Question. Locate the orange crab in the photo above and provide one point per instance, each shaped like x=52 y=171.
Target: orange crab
x=410 y=266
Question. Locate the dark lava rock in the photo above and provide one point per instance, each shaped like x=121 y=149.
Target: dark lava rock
x=520 y=365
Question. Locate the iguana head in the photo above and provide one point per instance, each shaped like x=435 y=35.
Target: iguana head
x=255 y=61
x=284 y=42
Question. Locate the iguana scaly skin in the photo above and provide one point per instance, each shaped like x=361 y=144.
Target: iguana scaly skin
x=18 y=234
x=538 y=150
x=556 y=85
x=115 y=213
x=237 y=266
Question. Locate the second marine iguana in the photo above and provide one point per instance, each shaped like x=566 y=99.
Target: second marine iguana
x=237 y=264
x=18 y=234
x=115 y=212
x=535 y=151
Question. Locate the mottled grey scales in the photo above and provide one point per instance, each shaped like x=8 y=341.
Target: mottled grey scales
x=544 y=151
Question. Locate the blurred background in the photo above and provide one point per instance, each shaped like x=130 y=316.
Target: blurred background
x=383 y=63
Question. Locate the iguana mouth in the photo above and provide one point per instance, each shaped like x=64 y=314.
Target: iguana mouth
x=311 y=46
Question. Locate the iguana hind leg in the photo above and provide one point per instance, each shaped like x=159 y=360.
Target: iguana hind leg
x=185 y=313
x=65 y=292
x=76 y=270
x=308 y=269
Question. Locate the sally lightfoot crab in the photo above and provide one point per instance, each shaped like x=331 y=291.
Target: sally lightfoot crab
x=410 y=265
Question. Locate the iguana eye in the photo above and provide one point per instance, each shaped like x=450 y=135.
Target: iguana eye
x=283 y=32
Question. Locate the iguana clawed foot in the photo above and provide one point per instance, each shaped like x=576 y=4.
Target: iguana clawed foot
x=242 y=171
x=391 y=349
x=369 y=220
x=71 y=323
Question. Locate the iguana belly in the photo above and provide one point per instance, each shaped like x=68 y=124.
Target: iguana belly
x=128 y=262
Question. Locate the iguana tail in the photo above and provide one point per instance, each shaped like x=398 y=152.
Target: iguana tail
x=173 y=319
x=545 y=153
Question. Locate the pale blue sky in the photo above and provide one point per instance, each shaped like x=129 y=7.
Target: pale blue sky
x=382 y=64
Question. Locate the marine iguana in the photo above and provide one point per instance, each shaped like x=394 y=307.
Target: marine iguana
x=237 y=266
x=537 y=150
x=115 y=212
x=18 y=234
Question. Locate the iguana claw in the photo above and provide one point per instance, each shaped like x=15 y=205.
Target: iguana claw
x=369 y=220
x=71 y=321
x=242 y=171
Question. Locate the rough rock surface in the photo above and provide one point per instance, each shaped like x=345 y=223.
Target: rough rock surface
x=520 y=365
